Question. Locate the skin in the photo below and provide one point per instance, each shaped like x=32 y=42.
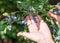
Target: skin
x=39 y=31
x=55 y=16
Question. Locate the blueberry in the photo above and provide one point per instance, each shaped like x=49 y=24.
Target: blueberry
x=32 y=1
x=31 y=9
x=57 y=12
x=23 y=21
x=10 y=27
x=14 y=17
x=58 y=37
x=6 y=19
x=54 y=30
x=34 y=19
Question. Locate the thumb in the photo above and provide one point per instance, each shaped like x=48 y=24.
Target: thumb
x=24 y=34
x=52 y=15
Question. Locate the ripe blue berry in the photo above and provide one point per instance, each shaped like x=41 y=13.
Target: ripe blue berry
x=57 y=12
x=6 y=19
x=32 y=1
x=58 y=37
x=10 y=27
x=31 y=9
x=34 y=19
x=54 y=30
x=23 y=21
x=14 y=17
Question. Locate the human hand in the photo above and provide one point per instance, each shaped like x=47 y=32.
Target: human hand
x=38 y=32
x=56 y=17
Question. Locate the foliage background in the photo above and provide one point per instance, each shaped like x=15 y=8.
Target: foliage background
x=13 y=11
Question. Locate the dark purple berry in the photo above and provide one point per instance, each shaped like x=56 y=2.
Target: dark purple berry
x=34 y=19
x=6 y=19
x=54 y=30
x=9 y=27
x=32 y=1
x=31 y=9
x=57 y=12
x=23 y=21
x=14 y=17
x=58 y=37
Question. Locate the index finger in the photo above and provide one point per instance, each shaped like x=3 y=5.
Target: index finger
x=31 y=26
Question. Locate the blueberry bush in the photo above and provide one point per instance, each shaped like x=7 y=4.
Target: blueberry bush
x=12 y=19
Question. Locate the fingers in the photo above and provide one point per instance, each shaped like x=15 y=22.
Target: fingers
x=52 y=15
x=31 y=24
x=24 y=34
x=41 y=23
x=55 y=17
x=31 y=18
x=38 y=19
x=28 y=20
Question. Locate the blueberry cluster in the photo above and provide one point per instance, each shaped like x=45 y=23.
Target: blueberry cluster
x=9 y=21
x=57 y=12
x=9 y=27
x=57 y=35
x=24 y=21
x=11 y=18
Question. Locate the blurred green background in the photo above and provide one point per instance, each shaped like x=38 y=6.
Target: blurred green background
x=13 y=11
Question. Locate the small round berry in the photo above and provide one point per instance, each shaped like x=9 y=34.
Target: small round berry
x=31 y=9
x=32 y=1
x=57 y=12
x=6 y=19
x=54 y=30
x=14 y=17
x=58 y=37
x=34 y=19
x=9 y=27
x=23 y=21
